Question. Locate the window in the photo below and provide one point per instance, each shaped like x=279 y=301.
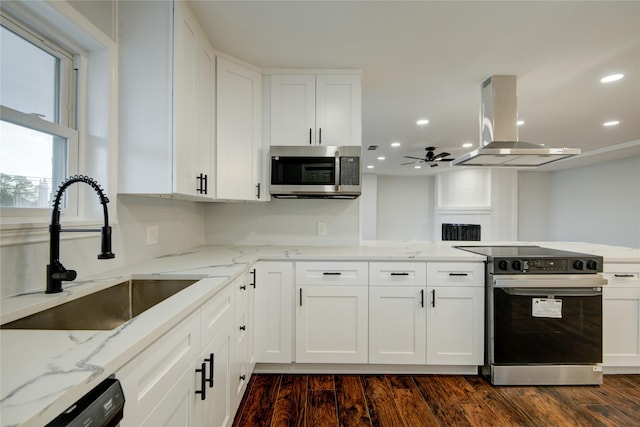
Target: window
x=39 y=145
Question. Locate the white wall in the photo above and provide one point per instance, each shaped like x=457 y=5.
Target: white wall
x=180 y=224
x=598 y=203
x=405 y=207
x=369 y=207
x=283 y=222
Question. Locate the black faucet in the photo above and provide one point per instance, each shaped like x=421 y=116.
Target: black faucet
x=56 y=273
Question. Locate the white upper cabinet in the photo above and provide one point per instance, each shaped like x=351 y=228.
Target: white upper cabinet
x=167 y=101
x=239 y=94
x=316 y=109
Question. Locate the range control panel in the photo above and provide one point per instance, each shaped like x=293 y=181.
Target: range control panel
x=544 y=265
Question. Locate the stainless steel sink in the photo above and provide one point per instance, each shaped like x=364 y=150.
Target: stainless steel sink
x=106 y=309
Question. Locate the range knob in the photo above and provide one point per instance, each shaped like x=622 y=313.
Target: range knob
x=578 y=264
x=503 y=265
x=592 y=264
x=517 y=265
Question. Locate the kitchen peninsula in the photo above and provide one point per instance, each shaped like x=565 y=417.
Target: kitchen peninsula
x=43 y=372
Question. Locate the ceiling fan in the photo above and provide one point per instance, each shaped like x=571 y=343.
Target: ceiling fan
x=430 y=157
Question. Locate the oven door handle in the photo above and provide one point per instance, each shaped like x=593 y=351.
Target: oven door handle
x=553 y=292
x=549 y=281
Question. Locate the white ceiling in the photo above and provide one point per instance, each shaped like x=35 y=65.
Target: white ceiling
x=427 y=59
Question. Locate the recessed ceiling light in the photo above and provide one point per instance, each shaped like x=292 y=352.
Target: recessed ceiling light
x=467 y=145
x=417 y=167
x=611 y=78
x=381 y=158
x=395 y=144
x=520 y=122
x=611 y=123
x=370 y=167
x=422 y=122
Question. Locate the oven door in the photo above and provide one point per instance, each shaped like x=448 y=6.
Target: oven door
x=533 y=324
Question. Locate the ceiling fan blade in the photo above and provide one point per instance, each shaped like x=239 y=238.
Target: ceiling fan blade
x=411 y=157
x=440 y=156
x=447 y=160
x=410 y=163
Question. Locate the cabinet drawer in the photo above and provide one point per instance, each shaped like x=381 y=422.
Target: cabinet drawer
x=398 y=273
x=455 y=273
x=216 y=313
x=147 y=378
x=332 y=273
x=622 y=275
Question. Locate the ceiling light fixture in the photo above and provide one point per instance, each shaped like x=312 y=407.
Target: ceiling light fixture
x=520 y=122
x=370 y=167
x=381 y=158
x=467 y=145
x=611 y=78
x=611 y=123
x=422 y=122
x=417 y=167
x=395 y=144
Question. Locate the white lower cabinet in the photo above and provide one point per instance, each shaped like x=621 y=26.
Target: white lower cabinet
x=455 y=325
x=332 y=324
x=621 y=316
x=273 y=312
x=243 y=337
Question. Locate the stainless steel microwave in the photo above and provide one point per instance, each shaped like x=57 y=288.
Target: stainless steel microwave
x=315 y=172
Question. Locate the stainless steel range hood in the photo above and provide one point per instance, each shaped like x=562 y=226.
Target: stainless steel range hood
x=499 y=145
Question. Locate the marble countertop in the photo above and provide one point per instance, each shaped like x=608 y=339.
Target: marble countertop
x=44 y=372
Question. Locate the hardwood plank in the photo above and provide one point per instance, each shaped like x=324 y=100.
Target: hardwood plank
x=610 y=415
x=634 y=379
x=577 y=395
x=619 y=381
x=401 y=381
x=382 y=408
x=259 y=407
x=351 y=403
x=440 y=400
x=504 y=410
x=321 y=382
x=573 y=409
x=321 y=408
x=481 y=415
x=413 y=408
x=457 y=387
x=291 y=402
x=626 y=400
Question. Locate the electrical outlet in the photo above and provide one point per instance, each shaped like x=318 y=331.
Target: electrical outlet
x=152 y=235
x=322 y=228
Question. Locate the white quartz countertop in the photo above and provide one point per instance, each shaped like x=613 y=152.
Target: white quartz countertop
x=44 y=372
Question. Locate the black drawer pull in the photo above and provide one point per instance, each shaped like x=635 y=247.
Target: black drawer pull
x=243 y=377
x=421 y=297
x=458 y=274
x=243 y=328
x=398 y=274
x=203 y=382
x=253 y=273
x=331 y=273
x=300 y=297
x=210 y=360
x=624 y=275
x=433 y=295
x=243 y=287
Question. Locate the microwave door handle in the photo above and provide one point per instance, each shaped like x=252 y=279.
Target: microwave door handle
x=337 y=169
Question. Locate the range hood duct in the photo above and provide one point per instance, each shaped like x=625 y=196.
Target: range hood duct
x=499 y=145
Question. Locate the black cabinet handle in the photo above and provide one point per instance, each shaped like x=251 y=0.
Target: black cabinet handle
x=210 y=360
x=253 y=273
x=257 y=190
x=243 y=328
x=331 y=273
x=309 y=136
x=205 y=184
x=623 y=275
x=319 y=136
x=422 y=298
x=433 y=296
x=300 y=297
x=203 y=382
x=399 y=274
x=243 y=287
x=243 y=377
x=458 y=274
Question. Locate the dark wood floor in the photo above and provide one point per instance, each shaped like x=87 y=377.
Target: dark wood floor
x=433 y=400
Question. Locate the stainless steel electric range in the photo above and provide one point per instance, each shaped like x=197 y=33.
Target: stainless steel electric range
x=543 y=316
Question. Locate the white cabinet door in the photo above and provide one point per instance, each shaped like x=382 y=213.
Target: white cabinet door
x=238 y=131
x=397 y=324
x=332 y=324
x=173 y=408
x=338 y=109
x=455 y=325
x=293 y=109
x=621 y=326
x=273 y=312
x=211 y=372
x=310 y=109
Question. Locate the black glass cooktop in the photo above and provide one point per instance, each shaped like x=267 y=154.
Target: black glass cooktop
x=518 y=251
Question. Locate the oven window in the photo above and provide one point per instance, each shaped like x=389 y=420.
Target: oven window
x=521 y=338
x=303 y=171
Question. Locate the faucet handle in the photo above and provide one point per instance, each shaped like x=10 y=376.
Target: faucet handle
x=105 y=252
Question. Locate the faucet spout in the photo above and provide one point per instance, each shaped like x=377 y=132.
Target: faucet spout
x=56 y=272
